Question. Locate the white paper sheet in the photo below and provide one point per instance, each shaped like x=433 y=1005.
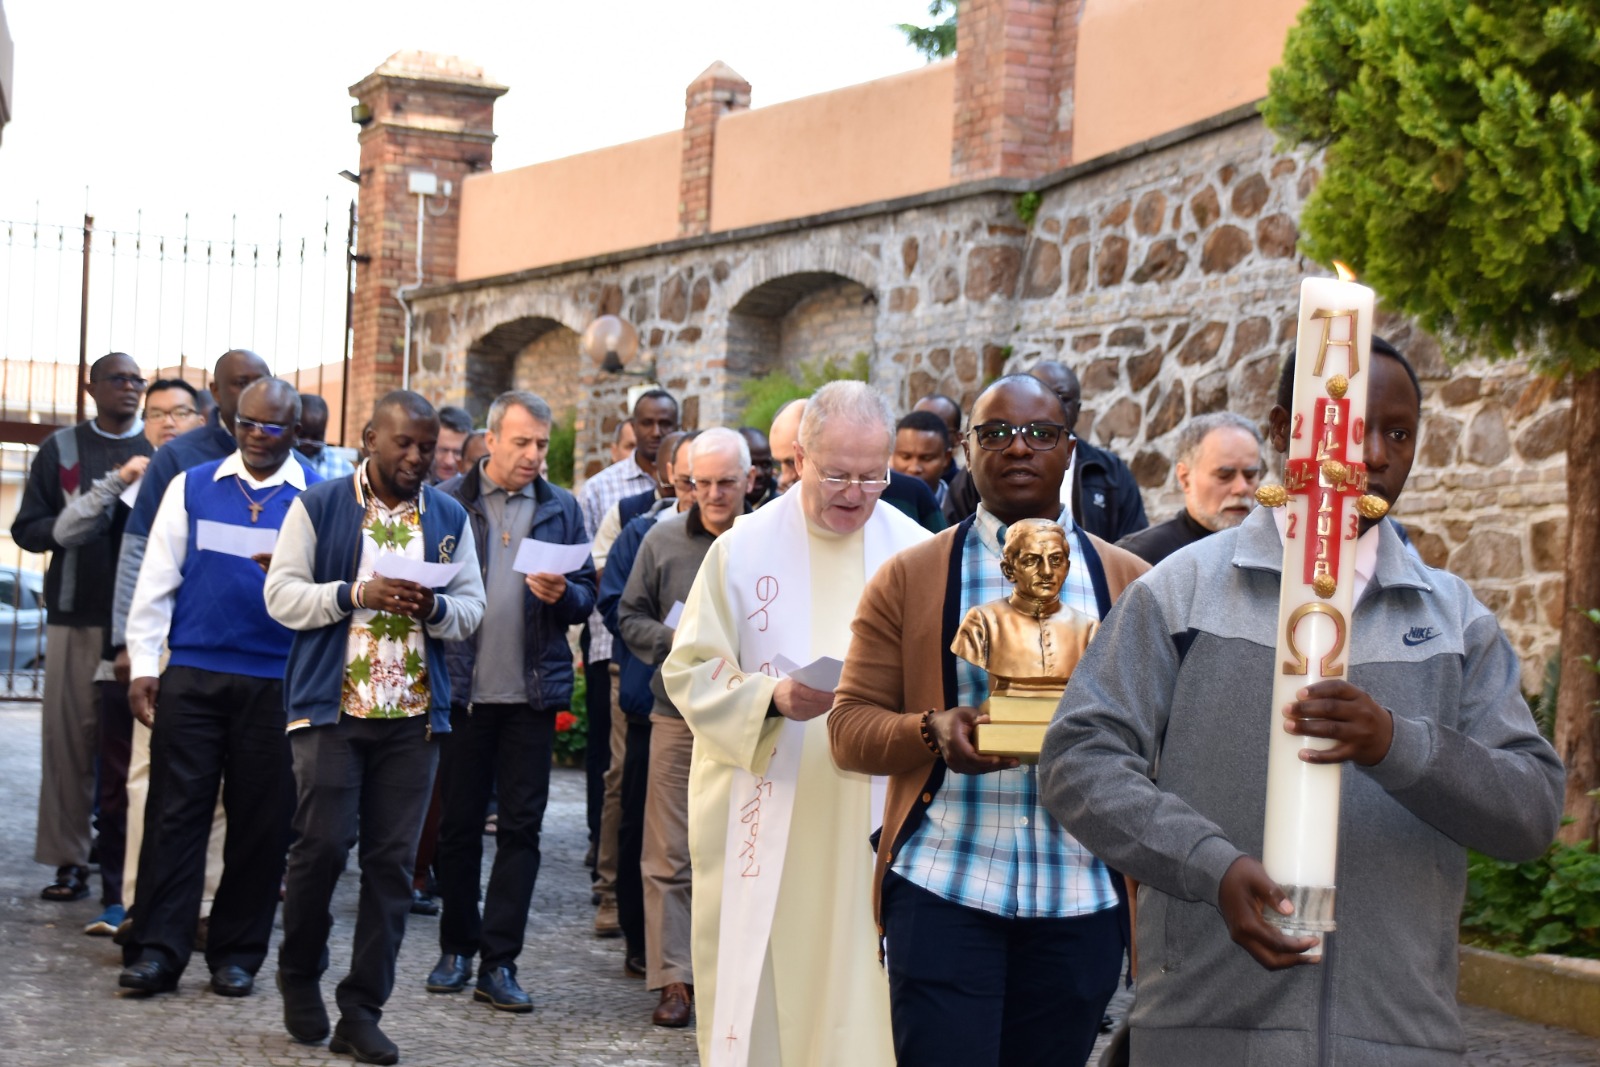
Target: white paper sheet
x=542 y=557
x=427 y=575
x=233 y=540
x=821 y=674
x=674 y=616
x=129 y=495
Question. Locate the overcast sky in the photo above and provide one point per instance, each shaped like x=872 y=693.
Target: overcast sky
x=222 y=108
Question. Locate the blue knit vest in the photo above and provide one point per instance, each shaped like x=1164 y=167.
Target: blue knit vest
x=219 y=620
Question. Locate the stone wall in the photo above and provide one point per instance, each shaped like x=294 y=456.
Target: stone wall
x=549 y=368
x=834 y=323
x=1168 y=279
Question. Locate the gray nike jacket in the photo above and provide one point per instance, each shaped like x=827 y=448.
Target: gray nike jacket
x=1157 y=761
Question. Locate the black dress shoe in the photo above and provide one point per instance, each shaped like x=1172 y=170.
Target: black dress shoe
x=423 y=903
x=304 y=1015
x=362 y=1039
x=498 y=986
x=149 y=976
x=231 y=981
x=633 y=966
x=451 y=974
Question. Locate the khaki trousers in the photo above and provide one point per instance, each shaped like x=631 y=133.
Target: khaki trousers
x=69 y=744
x=605 y=863
x=668 y=938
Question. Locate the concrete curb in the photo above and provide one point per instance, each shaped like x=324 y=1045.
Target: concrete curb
x=1553 y=990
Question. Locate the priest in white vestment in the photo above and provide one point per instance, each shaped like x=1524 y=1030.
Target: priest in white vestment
x=785 y=945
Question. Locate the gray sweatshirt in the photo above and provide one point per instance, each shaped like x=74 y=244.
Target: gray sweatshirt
x=1157 y=761
x=663 y=573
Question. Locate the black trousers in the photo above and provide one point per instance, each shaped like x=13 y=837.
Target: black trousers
x=212 y=730
x=507 y=746
x=597 y=741
x=357 y=778
x=630 y=835
x=116 y=749
x=1027 y=992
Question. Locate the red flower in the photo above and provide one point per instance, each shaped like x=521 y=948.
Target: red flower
x=565 y=721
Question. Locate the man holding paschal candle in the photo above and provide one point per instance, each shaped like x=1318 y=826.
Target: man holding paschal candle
x=1371 y=658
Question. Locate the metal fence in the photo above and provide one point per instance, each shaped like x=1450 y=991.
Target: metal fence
x=72 y=291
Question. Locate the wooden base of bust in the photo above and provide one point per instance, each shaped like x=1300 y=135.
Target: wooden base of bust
x=1016 y=724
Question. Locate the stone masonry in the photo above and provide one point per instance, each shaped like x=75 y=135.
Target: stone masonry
x=1166 y=275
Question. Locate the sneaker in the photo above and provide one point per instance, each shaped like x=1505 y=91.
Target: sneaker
x=106 y=925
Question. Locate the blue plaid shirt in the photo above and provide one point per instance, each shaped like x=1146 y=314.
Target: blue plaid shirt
x=986 y=840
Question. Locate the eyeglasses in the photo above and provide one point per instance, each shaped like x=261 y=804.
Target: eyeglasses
x=726 y=485
x=126 y=381
x=996 y=436
x=175 y=415
x=271 y=429
x=871 y=486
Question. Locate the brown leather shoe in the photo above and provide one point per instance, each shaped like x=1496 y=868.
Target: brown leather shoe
x=674 y=1007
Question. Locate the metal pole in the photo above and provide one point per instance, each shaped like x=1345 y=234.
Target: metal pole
x=349 y=321
x=83 y=318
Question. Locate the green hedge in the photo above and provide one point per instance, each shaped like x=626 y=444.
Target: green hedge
x=1551 y=904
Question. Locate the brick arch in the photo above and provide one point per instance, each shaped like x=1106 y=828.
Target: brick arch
x=532 y=352
x=799 y=260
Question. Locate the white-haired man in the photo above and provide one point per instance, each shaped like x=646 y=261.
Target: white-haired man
x=663 y=572
x=783 y=927
x=1218 y=469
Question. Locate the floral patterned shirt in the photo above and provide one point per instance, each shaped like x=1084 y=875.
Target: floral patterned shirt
x=386 y=669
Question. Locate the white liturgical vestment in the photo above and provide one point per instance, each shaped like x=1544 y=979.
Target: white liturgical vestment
x=784 y=902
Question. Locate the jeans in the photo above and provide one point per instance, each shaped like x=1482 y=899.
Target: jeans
x=508 y=746
x=366 y=779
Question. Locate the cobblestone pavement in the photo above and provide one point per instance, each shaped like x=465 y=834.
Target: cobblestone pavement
x=61 y=1007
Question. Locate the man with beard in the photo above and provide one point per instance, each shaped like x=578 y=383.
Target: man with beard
x=365 y=692
x=655 y=414
x=221 y=705
x=1219 y=467
x=1441 y=755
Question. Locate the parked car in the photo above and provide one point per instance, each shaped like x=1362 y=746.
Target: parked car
x=22 y=628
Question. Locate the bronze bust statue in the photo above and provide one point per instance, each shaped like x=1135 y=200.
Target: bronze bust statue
x=1029 y=642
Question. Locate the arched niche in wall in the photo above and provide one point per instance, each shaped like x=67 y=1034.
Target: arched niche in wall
x=534 y=353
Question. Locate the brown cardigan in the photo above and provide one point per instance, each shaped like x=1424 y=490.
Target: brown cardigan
x=899 y=666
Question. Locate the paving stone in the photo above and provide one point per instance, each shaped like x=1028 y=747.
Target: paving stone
x=62 y=1009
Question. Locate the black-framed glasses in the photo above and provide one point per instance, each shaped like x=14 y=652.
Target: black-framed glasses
x=126 y=381
x=996 y=436
x=175 y=415
x=271 y=429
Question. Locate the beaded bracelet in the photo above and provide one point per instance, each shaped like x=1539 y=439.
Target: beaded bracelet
x=927 y=733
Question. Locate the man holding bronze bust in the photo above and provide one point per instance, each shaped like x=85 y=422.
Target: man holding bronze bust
x=992 y=913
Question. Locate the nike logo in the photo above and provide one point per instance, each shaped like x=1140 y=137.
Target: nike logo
x=1419 y=634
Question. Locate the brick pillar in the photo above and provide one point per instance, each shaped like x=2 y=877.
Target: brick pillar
x=713 y=94
x=1015 y=65
x=422 y=113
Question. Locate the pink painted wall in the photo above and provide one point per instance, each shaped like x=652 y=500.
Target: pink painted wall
x=1149 y=66
x=619 y=197
x=874 y=141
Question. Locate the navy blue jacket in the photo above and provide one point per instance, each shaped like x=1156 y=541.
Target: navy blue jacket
x=547 y=665
x=633 y=684
x=313 y=684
